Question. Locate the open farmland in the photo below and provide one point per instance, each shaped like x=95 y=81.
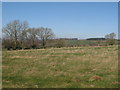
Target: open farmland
x=76 y=67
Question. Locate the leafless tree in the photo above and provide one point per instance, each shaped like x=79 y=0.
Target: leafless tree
x=13 y=30
x=44 y=34
x=110 y=38
x=23 y=33
x=32 y=35
x=18 y=35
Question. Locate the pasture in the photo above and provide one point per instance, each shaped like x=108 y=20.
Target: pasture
x=76 y=67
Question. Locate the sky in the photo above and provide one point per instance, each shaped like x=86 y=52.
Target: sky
x=60 y=0
x=66 y=19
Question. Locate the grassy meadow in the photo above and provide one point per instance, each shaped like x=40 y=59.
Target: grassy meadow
x=73 y=67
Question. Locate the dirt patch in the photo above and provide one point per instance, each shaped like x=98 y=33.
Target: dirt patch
x=95 y=78
x=116 y=83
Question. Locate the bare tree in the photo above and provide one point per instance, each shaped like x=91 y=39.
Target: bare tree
x=107 y=36
x=44 y=34
x=18 y=35
x=110 y=38
x=23 y=33
x=13 y=29
x=112 y=35
x=32 y=36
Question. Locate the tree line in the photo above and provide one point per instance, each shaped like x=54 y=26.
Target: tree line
x=18 y=35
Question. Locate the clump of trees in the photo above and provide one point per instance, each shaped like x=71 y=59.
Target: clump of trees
x=18 y=35
x=110 y=38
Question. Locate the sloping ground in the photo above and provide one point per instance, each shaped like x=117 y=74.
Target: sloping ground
x=82 y=67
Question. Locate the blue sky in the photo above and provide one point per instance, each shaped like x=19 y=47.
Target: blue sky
x=67 y=19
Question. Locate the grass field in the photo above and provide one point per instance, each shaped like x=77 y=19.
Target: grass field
x=80 y=67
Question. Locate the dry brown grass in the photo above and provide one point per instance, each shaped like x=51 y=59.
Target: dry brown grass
x=79 y=67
